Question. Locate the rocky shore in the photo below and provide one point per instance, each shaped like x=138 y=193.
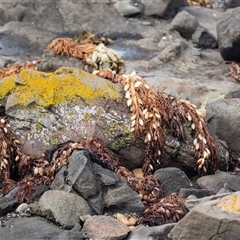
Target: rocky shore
x=184 y=52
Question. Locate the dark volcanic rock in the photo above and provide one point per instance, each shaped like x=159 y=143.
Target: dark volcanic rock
x=100 y=187
x=172 y=180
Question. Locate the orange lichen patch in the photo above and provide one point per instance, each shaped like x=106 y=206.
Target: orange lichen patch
x=230 y=204
x=49 y=89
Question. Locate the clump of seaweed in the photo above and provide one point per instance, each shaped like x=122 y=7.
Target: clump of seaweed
x=17 y=68
x=97 y=56
x=153 y=111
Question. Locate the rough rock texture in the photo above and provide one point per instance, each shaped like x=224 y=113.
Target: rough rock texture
x=223 y=117
x=105 y=228
x=172 y=180
x=199 y=193
x=30 y=228
x=51 y=62
x=204 y=39
x=228 y=30
x=81 y=105
x=214 y=183
x=217 y=219
x=185 y=24
x=63 y=208
x=100 y=187
x=147 y=233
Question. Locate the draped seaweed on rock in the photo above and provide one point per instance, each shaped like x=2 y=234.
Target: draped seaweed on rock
x=154 y=111
x=153 y=114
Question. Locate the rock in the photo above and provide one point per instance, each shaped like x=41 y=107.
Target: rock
x=228 y=31
x=104 y=228
x=7 y=205
x=29 y=228
x=51 y=62
x=63 y=208
x=100 y=187
x=172 y=180
x=214 y=183
x=207 y=18
x=204 y=39
x=147 y=233
x=22 y=208
x=162 y=8
x=217 y=219
x=199 y=193
x=126 y=8
x=74 y=233
x=192 y=201
x=123 y=199
x=223 y=118
x=51 y=112
x=185 y=24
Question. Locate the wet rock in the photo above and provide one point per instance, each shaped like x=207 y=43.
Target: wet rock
x=185 y=24
x=214 y=183
x=100 y=187
x=147 y=233
x=228 y=30
x=204 y=39
x=223 y=118
x=209 y=217
x=105 y=228
x=172 y=180
x=63 y=208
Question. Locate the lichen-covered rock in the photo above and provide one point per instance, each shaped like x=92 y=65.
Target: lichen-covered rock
x=217 y=219
x=49 y=108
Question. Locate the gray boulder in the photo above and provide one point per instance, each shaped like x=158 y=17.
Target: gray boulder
x=30 y=228
x=214 y=183
x=105 y=228
x=223 y=118
x=63 y=208
x=126 y=8
x=172 y=180
x=162 y=8
x=204 y=39
x=51 y=62
x=147 y=233
x=228 y=31
x=185 y=24
x=100 y=187
x=216 y=219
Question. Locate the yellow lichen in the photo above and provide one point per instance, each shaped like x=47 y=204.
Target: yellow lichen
x=49 y=89
x=230 y=204
x=6 y=86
